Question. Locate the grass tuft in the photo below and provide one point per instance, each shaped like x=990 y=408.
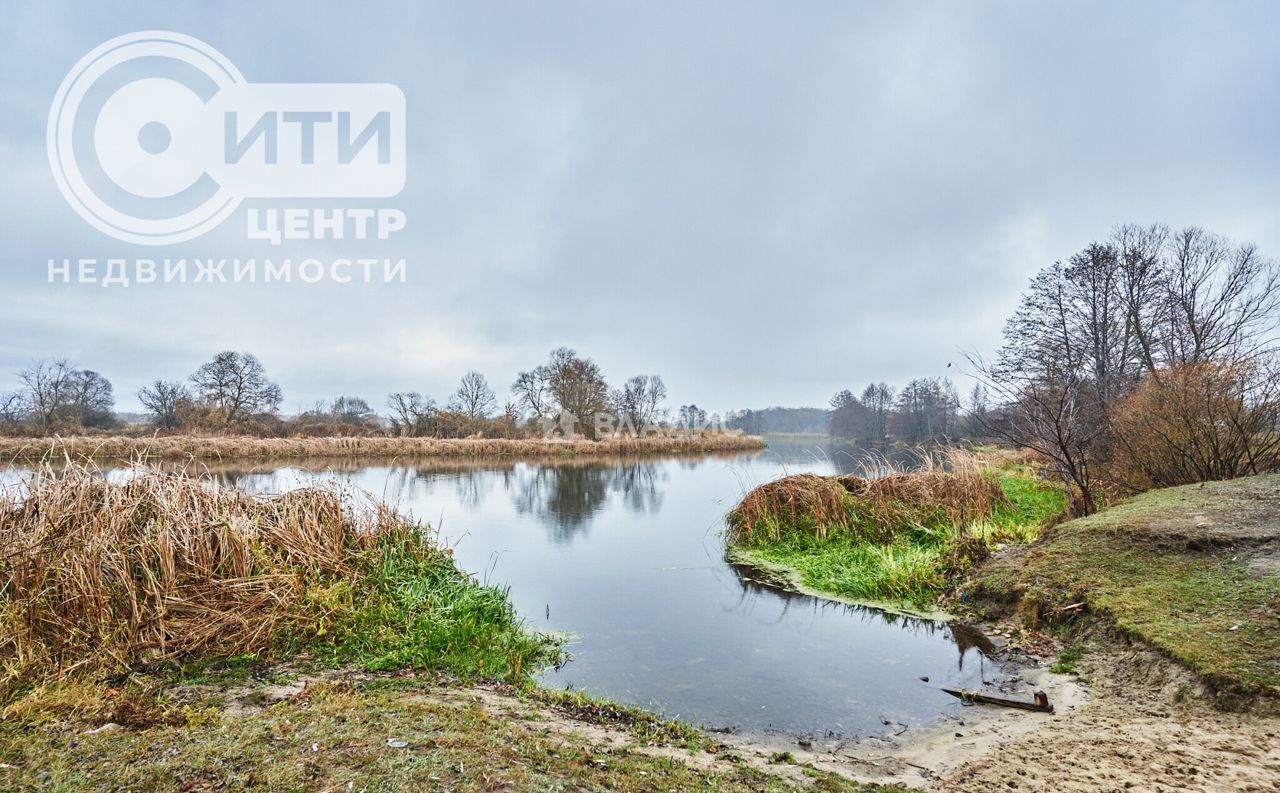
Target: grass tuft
x=900 y=537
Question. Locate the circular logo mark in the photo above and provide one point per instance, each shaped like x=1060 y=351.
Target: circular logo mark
x=129 y=137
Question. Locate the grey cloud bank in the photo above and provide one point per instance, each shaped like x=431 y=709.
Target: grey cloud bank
x=761 y=202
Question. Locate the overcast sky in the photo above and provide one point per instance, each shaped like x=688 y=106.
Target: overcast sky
x=762 y=202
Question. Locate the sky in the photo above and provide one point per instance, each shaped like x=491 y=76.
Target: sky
x=763 y=203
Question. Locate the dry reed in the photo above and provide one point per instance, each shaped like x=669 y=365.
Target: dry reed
x=193 y=447
x=97 y=575
x=947 y=489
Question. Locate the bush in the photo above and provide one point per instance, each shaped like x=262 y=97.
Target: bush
x=1195 y=423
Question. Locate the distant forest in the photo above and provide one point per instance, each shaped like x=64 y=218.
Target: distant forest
x=757 y=422
x=925 y=410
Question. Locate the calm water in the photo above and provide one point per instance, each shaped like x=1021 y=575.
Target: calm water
x=628 y=557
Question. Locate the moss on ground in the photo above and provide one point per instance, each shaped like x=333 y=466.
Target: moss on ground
x=1193 y=570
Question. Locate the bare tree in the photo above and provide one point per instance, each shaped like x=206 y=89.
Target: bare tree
x=848 y=417
x=532 y=390
x=692 y=417
x=474 y=398
x=236 y=385
x=91 y=399
x=639 y=402
x=352 y=410
x=578 y=387
x=878 y=399
x=927 y=408
x=1044 y=375
x=411 y=413
x=58 y=393
x=1170 y=316
x=48 y=386
x=566 y=385
x=1055 y=413
x=1223 y=299
x=977 y=409
x=1141 y=285
x=164 y=401
x=13 y=408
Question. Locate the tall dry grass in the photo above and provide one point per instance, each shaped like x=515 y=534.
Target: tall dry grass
x=948 y=488
x=192 y=447
x=98 y=575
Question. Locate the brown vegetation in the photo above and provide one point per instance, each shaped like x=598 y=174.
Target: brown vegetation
x=949 y=491
x=96 y=575
x=191 y=447
x=1195 y=423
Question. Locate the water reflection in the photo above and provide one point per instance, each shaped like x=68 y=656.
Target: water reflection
x=563 y=496
x=762 y=587
x=565 y=500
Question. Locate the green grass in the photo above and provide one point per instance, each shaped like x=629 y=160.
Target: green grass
x=1033 y=501
x=1169 y=567
x=335 y=738
x=906 y=571
x=918 y=563
x=410 y=607
x=1067 y=660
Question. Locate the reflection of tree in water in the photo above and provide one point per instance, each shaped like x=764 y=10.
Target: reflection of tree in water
x=566 y=498
x=639 y=486
x=473 y=487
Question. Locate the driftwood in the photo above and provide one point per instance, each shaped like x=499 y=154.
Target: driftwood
x=1041 y=703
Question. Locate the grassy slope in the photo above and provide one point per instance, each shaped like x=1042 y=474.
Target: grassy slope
x=1193 y=570
x=910 y=570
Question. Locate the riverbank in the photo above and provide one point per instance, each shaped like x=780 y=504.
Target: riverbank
x=1152 y=625
x=898 y=540
x=144 y=626
x=1191 y=571
x=218 y=448
x=1169 y=606
x=277 y=728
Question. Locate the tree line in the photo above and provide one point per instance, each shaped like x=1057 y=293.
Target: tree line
x=568 y=394
x=925 y=410
x=778 y=419
x=1145 y=360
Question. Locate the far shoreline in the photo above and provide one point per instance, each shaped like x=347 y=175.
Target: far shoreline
x=223 y=448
